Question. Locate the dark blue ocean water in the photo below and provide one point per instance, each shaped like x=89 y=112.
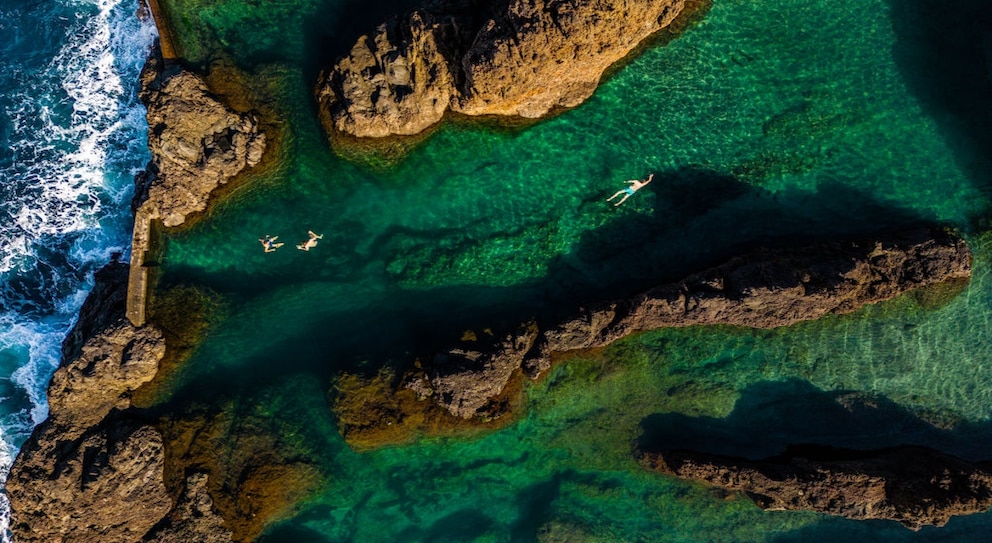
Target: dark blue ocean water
x=72 y=136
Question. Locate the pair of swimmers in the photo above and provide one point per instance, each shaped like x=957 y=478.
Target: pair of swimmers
x=269 y=243
x=627 y=192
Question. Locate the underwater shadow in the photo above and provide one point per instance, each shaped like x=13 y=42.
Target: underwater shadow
x=701 y=217
x=290 y=533
x=944 y=52
x=461 y=526
x=841 y=530
x=771 y=415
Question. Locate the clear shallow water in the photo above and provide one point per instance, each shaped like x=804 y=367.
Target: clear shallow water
x=758 y=132
x=72 y=135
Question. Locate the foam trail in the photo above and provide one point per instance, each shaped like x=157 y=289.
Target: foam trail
x=76 y=139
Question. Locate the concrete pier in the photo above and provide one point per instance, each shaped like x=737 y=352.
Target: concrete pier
x=138 y=277
x=166 y=38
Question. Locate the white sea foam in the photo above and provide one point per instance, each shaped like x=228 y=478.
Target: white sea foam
x=6 y=460
x=78 y=138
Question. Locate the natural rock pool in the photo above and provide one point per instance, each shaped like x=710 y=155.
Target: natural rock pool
x=765 y=123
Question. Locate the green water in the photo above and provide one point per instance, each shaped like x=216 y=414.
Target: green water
x=768 y=123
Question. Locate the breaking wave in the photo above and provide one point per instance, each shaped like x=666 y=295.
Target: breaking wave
x=71 y=139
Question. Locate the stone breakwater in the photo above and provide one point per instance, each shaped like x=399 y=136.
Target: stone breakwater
x=766 y=289
x=522 y=58
x=915 y=486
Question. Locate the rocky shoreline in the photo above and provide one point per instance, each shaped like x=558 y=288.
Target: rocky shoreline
x=99 y=469
x=197 y=144
x=95 y=469
x=915 y=486
x=766 y=289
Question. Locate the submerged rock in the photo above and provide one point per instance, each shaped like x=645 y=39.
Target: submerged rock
x=915 y=486
x=522 y=58
x=766 y=289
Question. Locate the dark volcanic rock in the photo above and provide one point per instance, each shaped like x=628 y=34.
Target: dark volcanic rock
x=766 y=289
x=197 y=143
x=467 y=380
x=915 y=486
x=520 y=58
x=92 y=471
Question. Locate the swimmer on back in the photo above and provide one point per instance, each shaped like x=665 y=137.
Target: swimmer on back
x=310 y=243
x=269 y=244
x=627 y=192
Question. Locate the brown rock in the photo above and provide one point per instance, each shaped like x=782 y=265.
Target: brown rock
x=915 y=486
x=465 y=381
x=547 y=54
x=524 y=58
x=111 y=365
x=395 y=82
x=766 y=289
x=769 y=289
x=92 y=471
x=197 y=143
x=193 y=519
x=104 y=485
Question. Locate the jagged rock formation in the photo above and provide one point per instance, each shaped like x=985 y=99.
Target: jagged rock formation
x=520 y=58
x=193 y=518
x=766 y=289
x=197 y=143
x=94 y=471
x=915 y=486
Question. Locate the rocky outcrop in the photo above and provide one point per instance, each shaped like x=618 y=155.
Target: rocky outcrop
x=915 y=486
x=193 y=518
x=94 y=471
x=522 y=58
x=767 y=289
x=468 y=379
x=197 y=143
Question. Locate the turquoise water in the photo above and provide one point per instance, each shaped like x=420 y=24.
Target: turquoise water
x=767 y=123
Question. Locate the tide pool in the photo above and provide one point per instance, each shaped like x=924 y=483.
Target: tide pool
x=765 y=123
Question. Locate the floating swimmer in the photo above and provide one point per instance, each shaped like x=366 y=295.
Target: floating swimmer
x=635 y=185
x=269 y=244
x=310 y=243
